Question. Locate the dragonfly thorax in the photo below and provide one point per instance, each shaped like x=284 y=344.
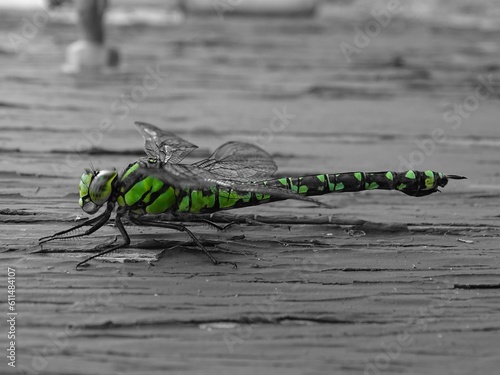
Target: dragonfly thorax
x=95 y=189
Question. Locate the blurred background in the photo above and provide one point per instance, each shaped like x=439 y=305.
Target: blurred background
x=341 y=85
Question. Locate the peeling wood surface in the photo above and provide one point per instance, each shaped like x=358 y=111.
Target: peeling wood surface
x=383 y=283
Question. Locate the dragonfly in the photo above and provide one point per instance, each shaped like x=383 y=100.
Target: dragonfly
x=236 y=175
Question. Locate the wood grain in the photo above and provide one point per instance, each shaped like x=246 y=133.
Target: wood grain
x=383 y=283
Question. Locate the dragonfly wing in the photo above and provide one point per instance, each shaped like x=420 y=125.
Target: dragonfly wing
x=239 y=161
x=162 y=145
x=185 y=176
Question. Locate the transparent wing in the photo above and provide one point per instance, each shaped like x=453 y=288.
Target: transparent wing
x=162 y=145
x=184 y=176
x=239 y=161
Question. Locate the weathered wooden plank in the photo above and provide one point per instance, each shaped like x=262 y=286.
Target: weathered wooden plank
x=382 y=282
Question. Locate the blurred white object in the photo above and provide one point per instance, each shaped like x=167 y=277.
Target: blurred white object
x=85 y=56
x=90 y=54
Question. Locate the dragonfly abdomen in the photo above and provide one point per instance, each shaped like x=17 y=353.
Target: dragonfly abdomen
x=218 y=198
x=414 y=183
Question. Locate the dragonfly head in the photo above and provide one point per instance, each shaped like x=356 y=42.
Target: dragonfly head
x=95 y=189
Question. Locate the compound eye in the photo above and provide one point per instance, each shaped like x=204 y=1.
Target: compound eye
x=101 y=187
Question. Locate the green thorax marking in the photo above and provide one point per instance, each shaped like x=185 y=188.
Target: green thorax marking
x=163 y=202
x=130 y=170
x=120 y=201
x=142 y=190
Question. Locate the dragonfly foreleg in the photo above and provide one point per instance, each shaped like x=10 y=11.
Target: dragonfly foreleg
x=96 y=222
x=111 y=248
x=180 y=228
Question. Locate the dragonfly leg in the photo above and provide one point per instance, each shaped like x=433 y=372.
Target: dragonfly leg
x=195 y=218
x=217 y=226
x=180 y=228
x=96 y=222
x=111 y=248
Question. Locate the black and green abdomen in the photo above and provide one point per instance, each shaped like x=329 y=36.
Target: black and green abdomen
x=414 y=183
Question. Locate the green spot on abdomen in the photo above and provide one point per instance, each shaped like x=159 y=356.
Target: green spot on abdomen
x=358 y=176
x=339 y=186
x=429 y=181
x=283 y=181
x=184 y=204
x=371 y=186
x=200 y=201
x=261 y=197
x=292 y=186
x=302 y=189
x=229 y=199
x=410 y=174
x=321 y=177
x=401 y=186
x=331 y=185
x=389 y=176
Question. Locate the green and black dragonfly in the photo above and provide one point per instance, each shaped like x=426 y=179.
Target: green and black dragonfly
x=236 y=175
